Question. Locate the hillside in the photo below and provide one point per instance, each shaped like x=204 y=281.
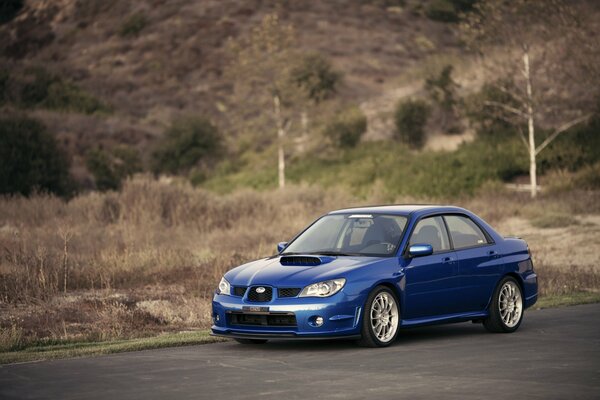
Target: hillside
x=101 y=74
x=174 y=64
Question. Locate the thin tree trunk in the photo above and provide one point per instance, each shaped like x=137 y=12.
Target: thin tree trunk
x=530 y=125
x=280 y=136
x=65 y=262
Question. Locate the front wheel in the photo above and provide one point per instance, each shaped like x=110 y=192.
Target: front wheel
x=250 y=341
x=506 y=310
x=381 y=318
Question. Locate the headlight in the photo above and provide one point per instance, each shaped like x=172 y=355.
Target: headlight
x=224 y=287
x=323 y=289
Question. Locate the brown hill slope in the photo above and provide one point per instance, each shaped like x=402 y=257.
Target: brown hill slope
x=172 y=61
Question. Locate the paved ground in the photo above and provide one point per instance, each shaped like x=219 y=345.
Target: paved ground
x=554 y=355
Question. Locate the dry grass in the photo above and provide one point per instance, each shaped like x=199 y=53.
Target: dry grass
x=145 y=260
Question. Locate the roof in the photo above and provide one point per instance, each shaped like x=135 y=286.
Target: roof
x=400 y=209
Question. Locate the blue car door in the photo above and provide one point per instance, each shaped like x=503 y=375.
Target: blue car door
x=431 y=281
x=479 y=263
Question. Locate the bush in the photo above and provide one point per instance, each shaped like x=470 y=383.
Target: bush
x=30 y=159
x=442 y=88
x=316 y=76
x=411 y=117
x=487 y=120
x=133 y=25
x=188 y=143
x=9 y=9
x=448 y=10
x=347 y=128
x=46 y=90
x=110 y=168
x=4 y=83
x=65 y=96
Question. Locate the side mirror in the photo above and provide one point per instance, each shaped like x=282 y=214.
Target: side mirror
x=281 y=246
x=420 y=250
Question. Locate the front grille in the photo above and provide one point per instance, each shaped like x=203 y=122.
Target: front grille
x=263 y=297
x=273 y=319
x=300 y=260
x=288 y=292
x=239 y=291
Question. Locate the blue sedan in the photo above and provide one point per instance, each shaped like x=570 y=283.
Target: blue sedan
x=365 y=273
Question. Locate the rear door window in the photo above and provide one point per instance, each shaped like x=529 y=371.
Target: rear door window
x=464 y=232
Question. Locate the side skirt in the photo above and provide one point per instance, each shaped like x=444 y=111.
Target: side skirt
x=440 y=319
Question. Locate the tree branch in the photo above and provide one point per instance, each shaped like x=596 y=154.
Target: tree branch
x=560 y=130
x=506 y=108
x=522 y=137
x=512 y=93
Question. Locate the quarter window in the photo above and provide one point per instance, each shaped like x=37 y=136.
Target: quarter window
x=431 y=231
x=464 y=232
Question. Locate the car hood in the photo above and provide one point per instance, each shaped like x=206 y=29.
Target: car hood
x=270 y=271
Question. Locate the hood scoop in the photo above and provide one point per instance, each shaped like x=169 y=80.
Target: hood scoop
x=305 y=261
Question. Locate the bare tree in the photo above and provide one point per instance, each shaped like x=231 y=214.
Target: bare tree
x=541 y=47
x=275 y=83
x=260 y=70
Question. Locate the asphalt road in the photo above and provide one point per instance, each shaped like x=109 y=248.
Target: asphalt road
x=554 y=355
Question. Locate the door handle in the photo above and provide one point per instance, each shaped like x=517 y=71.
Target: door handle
x=493 y=253
x=447 y=260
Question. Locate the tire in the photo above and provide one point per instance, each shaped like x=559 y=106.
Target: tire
x=380 y=297
x=251 y=341
x=506 y=308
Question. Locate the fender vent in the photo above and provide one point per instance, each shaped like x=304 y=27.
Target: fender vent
x=300 y=260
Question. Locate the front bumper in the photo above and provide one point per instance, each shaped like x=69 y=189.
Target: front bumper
x=341 y=317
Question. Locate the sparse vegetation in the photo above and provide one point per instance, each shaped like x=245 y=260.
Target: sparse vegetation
x=40 y=88
x=43 y=351
x=30 y=159
x=133 y=25
x=347 y=128
x=554 y=220
x=410 y=118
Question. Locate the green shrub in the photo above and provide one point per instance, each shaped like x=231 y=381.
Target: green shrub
x=133 y=25
x=65 y=96
x=35 y=89
x=442 y=88
x=189 y=142
x=316 y=76
x=410 y=118
x=448 y=10
x=43 y=89
x=30 y=159
x=572 y=150
x=487 y=120
x=347 y=128
x=110 y=168
x=9 y=9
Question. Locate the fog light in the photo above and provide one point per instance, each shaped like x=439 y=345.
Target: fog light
x=217 y=318
x=318 y=321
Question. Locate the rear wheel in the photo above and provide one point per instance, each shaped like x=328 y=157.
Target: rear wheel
x=251 y=341
x=506 y=310
x=381 y=318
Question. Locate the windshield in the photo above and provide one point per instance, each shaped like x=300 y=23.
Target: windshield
x=351 y=234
